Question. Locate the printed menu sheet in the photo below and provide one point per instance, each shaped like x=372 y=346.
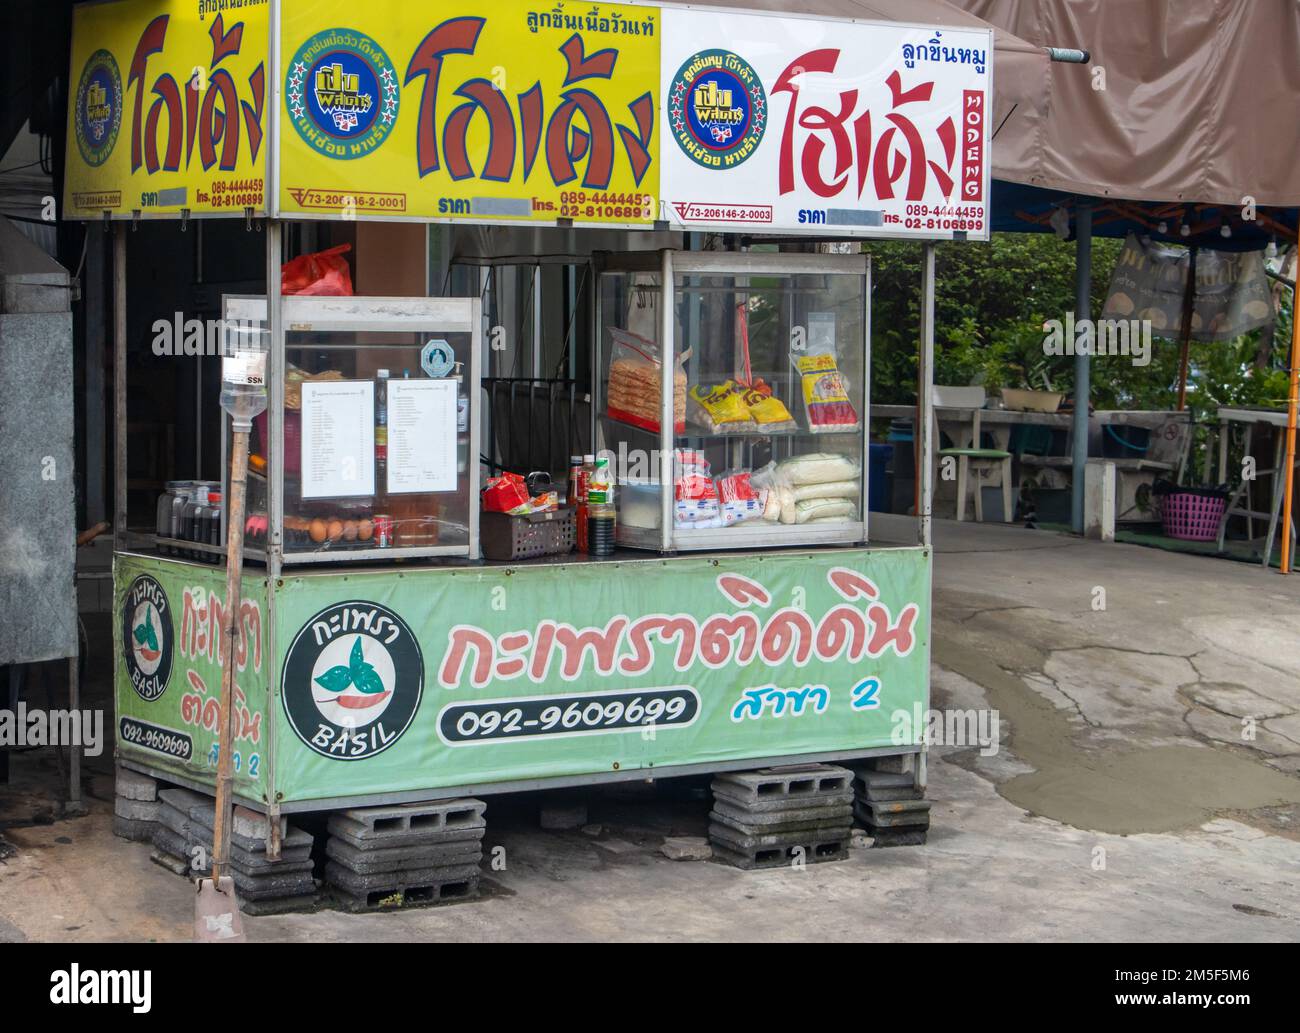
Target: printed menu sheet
x=338 y=439
x=421 y=436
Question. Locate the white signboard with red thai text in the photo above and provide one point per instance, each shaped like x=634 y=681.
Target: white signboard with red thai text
x=774 y=124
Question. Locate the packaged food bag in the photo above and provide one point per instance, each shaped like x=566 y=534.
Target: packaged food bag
x=720 y=409
x=635 y=383
x=768 y=412
x=826 y=400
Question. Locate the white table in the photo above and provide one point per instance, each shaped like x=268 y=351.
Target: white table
x=1250 y=419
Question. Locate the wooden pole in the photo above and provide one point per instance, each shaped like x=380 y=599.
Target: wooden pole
x=229 y=636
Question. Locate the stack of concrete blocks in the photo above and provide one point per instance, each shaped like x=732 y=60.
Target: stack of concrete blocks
x=135 y=806
x=891 y=808
x=782 y=816
x=184 y=839
x=387 y=857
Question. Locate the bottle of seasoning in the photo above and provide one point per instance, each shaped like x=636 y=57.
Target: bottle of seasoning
x=214 y=522
x=384 y=526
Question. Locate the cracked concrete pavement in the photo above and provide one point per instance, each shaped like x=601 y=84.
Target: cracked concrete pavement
x=1145 y=789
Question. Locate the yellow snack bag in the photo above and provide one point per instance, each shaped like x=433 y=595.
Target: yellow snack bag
x=720 y=408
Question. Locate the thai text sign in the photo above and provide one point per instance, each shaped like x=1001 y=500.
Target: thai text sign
x=167 y=108
x=505 y=112
x=775 y=123
x=447 y=678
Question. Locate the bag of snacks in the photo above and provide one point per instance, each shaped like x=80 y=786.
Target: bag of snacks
x=768 y=412
x=826 y=399
x=636 y=383
x=720 y=410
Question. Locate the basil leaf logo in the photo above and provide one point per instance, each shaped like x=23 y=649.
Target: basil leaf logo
x=349 y=692
x=144 y=634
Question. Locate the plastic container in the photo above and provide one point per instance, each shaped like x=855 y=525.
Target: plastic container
x=878 y=477
x=170 y=502
x=1192 y=516
x=528 y=535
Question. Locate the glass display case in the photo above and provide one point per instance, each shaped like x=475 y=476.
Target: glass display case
x=731 y=397
x=368 y=447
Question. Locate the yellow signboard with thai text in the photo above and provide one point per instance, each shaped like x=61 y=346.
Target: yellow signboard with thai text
x=167 y=108
x=468 y=111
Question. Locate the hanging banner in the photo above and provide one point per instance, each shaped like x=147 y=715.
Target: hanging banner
x=444 y=678
x=776 y=124
x=1149 y=284
x=167 y=108
x=461 y=111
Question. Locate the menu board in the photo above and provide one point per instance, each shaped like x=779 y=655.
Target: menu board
x=421 y=436
x=338 y=439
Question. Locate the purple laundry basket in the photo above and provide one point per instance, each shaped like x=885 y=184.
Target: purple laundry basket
x=1192 y=516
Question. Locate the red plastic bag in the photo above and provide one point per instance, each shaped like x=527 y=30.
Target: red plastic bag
x=320 y=273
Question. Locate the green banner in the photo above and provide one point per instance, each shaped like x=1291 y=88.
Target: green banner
x=431 y=678
x=421 y=679
x=168 y=643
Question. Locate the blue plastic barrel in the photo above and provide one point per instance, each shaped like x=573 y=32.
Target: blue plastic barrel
x=878 y=479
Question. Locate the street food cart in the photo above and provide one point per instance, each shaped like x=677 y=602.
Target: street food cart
x=379 y=658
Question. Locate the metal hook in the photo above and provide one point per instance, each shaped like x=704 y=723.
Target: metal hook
x=185 y=219
x=135 y=220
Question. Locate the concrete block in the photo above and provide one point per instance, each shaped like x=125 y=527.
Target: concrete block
x=135 y=831
x=786 y=816
x=686 y=848
x=164 y=839
x=917 y=819
x=364 y=837
x=899 y=837
x=868 y=794
x=798 y=781
x=135 y=810
x=734 y=839
x=131 y=785
x=391 y=859
x=252 y=825
x=898 y=764
x=395 y=889
x=201 y=818
x=166 y=859
x=878 y=807
x=178 y=821
x=418 y=817
x=780 y=804
x=796 y=828
x=778 y=858
x=290 y=884
x=563 y=816
x=869 y=778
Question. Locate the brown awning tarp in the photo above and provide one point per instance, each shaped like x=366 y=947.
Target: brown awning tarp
x=1201 y=101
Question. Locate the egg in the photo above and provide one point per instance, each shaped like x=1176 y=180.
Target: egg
x=364 y=530
x=318 y=530
x=335 y=530
x=349 y=530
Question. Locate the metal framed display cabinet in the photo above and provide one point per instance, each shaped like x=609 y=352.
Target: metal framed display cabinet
x=768 y=377
x=408 y=368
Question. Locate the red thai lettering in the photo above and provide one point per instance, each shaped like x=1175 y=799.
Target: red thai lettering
x=460 y=640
